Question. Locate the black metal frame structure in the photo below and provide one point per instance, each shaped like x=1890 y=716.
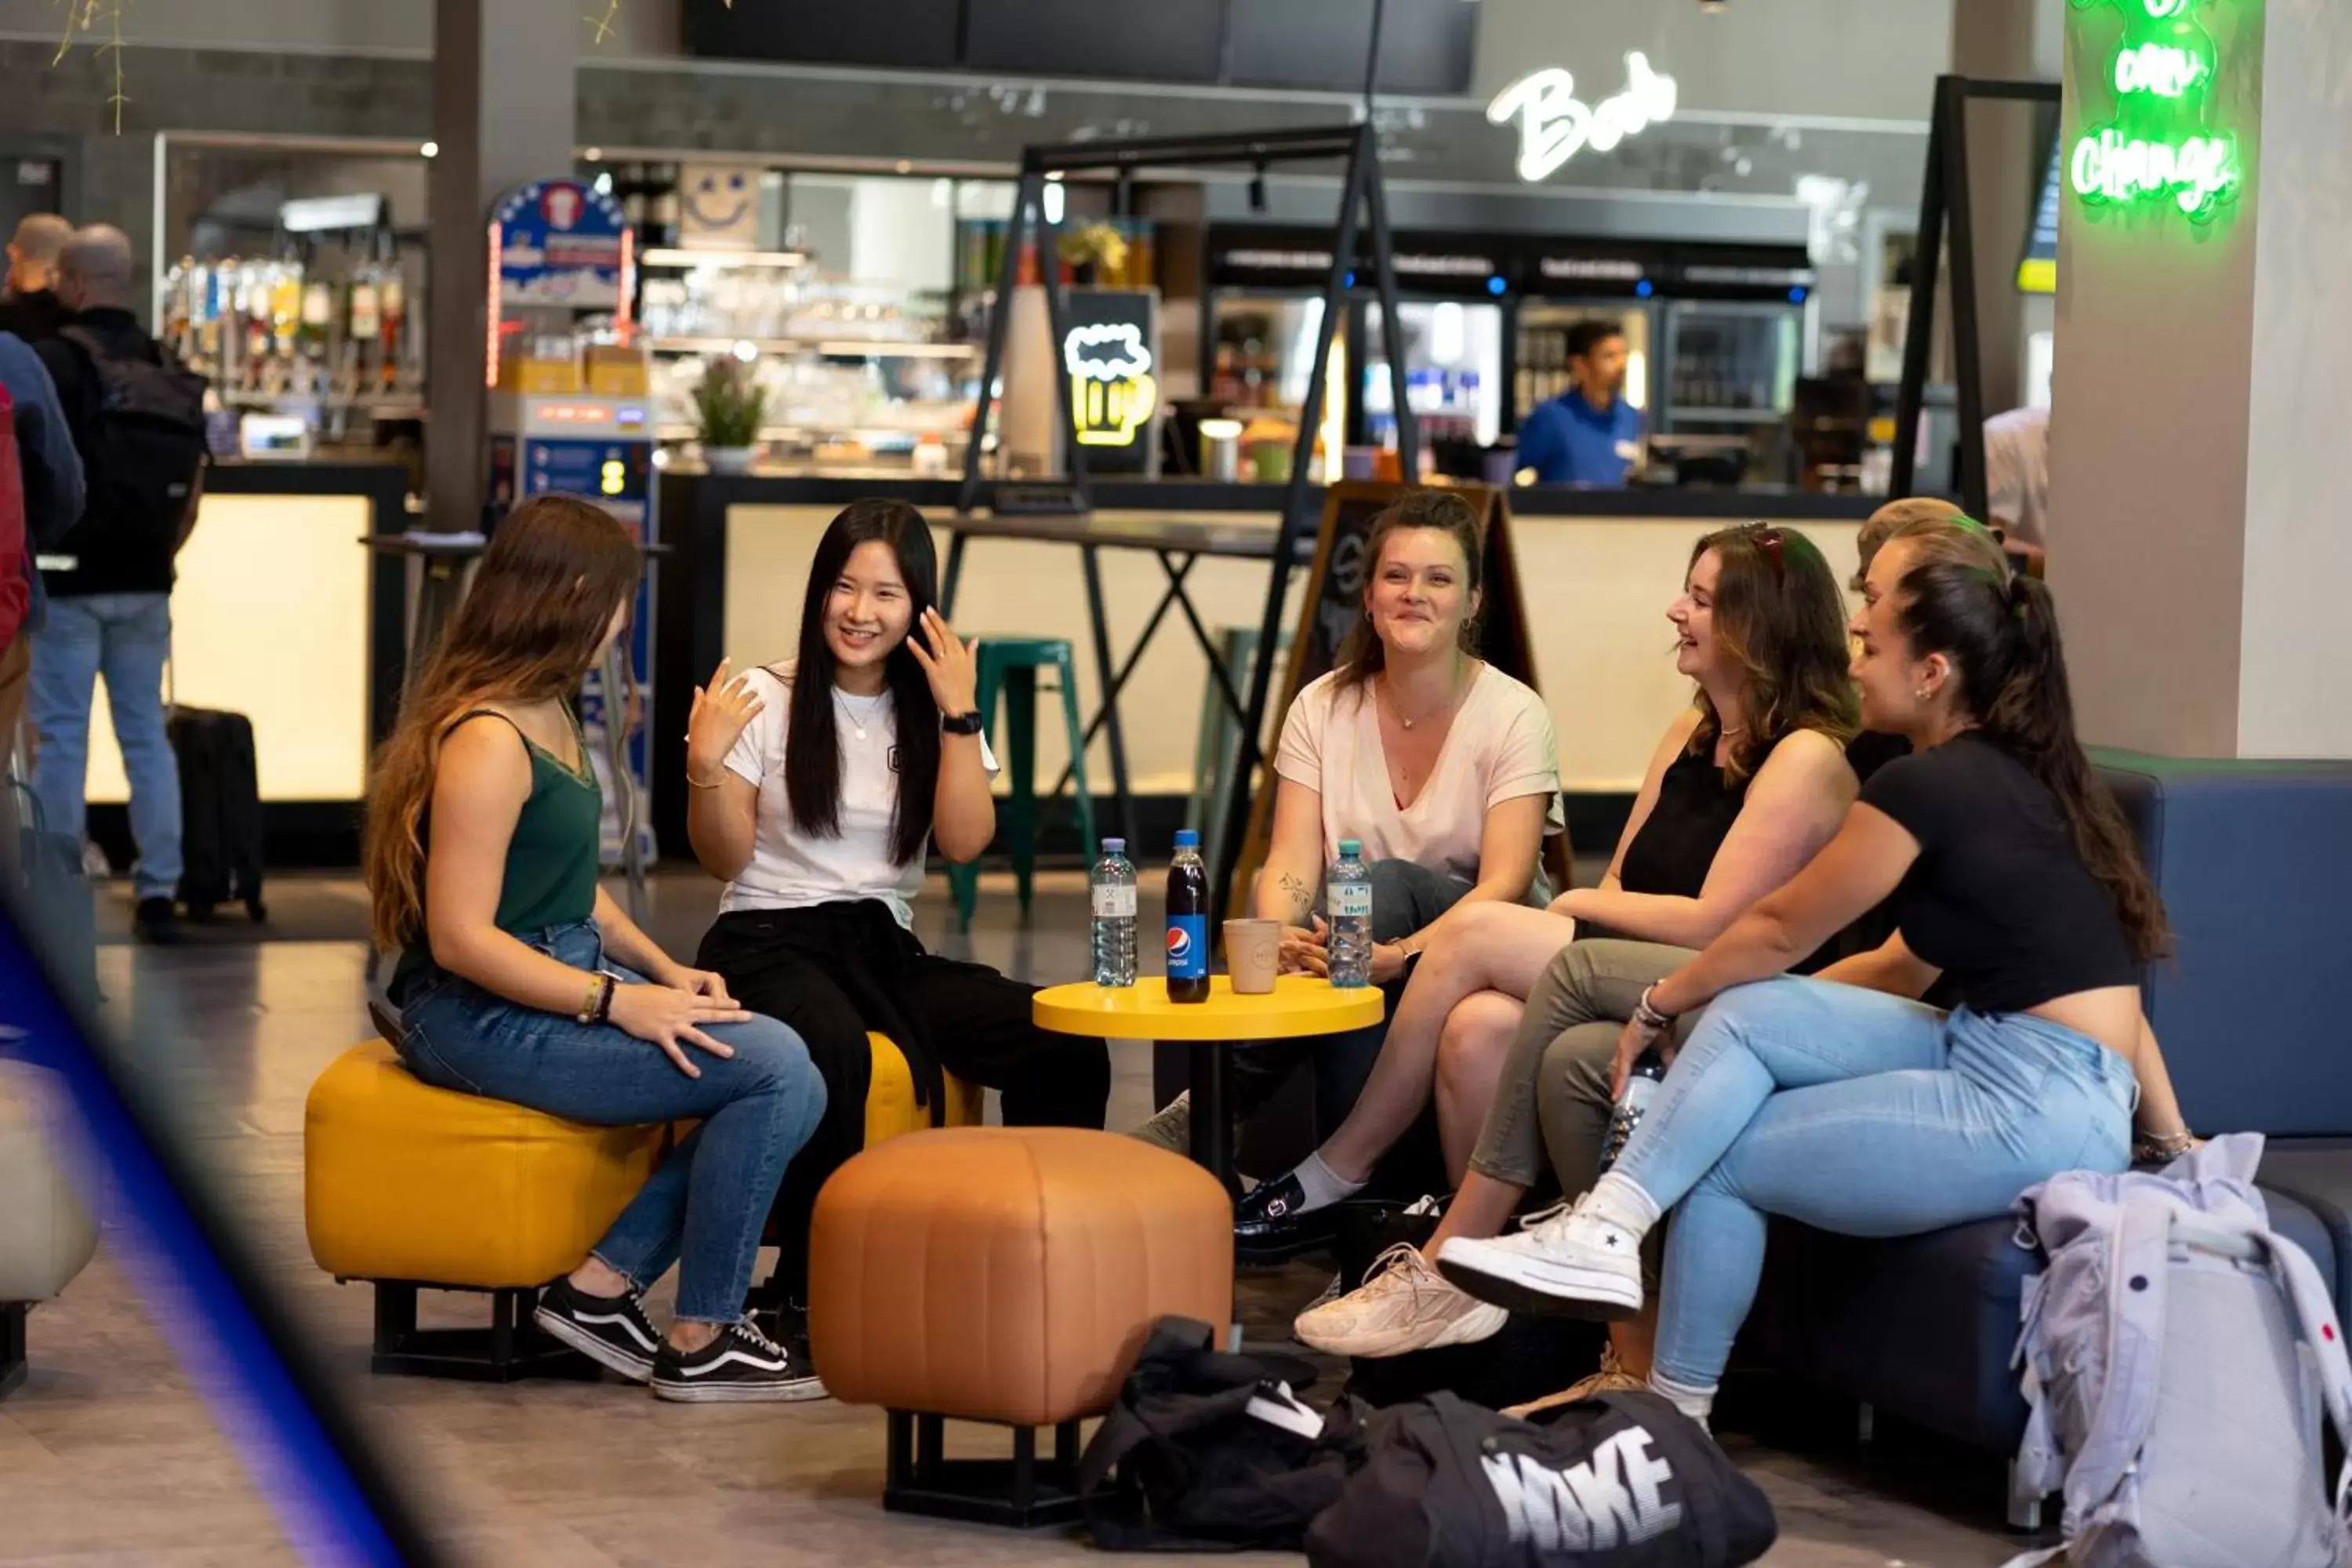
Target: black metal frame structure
x=509 y=1348
x=1363 y=205
x=1020 y=1493
x=1946 y=205
x=12 y=1346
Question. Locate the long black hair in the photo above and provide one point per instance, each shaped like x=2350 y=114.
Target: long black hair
x=812 y=742
x=2000 y=631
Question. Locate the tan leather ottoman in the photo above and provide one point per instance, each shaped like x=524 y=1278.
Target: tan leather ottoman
x=1005 y=1275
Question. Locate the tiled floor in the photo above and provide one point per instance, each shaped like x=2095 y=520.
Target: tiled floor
x=109 y=1454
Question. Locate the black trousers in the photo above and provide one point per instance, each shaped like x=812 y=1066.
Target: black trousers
x=835 y=971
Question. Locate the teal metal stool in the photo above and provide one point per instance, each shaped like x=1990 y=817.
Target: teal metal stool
x=1008 y=667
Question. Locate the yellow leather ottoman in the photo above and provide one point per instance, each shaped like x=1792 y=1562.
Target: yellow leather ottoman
x=890 y=1108
x=1005 y=1275
x=408 y=1186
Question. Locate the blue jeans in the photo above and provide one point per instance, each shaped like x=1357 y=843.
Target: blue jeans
x=1855 y=1112
x=705 y=1205
x=125 y=638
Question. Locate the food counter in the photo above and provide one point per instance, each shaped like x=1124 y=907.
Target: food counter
x=282 y=615
x=1599 y=569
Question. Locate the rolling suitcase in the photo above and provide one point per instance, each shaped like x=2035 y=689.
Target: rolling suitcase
x=220 y=812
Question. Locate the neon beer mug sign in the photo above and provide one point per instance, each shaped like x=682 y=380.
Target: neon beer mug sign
x=2160 y=148
x=1555 y=125
x=1112 y=390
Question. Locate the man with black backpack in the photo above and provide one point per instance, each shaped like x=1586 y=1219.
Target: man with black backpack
x=137 y=418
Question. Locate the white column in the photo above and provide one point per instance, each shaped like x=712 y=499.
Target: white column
x=2202 y=411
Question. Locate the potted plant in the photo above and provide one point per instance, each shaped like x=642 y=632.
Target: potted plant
x=729 y=409
x=1093 y=251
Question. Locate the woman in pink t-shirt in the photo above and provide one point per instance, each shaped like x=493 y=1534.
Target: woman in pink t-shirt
x=1444 y=768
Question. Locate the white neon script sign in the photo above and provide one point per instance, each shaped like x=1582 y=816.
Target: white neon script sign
x=1555 y=125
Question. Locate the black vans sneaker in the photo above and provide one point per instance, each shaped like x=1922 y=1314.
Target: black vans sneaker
x=787 y=1324
x=740 y=1365
x=611 y=1330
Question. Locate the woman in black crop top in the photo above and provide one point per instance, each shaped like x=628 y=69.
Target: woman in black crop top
x=1838 y=1100
x=1744 y=786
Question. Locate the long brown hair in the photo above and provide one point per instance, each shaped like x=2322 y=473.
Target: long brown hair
x=1779 y=619
x=555 y=571
x=1999 y=629
x=1362 y=655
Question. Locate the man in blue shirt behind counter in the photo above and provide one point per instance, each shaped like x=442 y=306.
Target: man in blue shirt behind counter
x=1588 y=435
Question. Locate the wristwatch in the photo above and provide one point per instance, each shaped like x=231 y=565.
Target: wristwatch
x=960 y=723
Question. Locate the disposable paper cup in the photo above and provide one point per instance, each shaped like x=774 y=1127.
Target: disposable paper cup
x=1252 y=955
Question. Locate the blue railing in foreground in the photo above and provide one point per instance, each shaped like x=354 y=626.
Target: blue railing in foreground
x=292 y=1435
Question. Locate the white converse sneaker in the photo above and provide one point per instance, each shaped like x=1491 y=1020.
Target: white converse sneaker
x=1565 y=1262
x=1402 y=1306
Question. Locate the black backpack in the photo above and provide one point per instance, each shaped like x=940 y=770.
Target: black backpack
x=1622 y=1481
x=141 y=455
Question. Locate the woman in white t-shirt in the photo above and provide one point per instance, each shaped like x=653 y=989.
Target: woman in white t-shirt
x=1441 y=766
x=814 y=786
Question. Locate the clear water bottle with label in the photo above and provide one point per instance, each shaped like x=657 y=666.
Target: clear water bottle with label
x=1347 y=902
x=1641 y=1089
x=1112 y=884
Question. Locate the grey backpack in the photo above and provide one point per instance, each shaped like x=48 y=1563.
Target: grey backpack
x=2177 y=1357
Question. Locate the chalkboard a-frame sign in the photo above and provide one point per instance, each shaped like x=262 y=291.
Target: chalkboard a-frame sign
x=1335 y=602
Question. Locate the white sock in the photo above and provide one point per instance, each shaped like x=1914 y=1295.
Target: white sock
x=1321 y=1183
x=1698 y=1403
x=1617 y=1199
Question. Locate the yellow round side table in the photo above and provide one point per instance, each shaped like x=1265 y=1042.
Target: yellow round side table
x=1298 y=1005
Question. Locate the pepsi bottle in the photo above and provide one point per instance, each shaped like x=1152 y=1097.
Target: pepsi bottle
x=1188 y=922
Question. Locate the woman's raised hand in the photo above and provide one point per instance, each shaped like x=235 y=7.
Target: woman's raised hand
x=716 y=722
x=948 y=661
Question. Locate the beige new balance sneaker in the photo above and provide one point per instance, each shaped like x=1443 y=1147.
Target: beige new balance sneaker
x=1402 y=1306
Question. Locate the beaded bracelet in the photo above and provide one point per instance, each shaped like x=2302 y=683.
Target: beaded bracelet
x=1649 y=1017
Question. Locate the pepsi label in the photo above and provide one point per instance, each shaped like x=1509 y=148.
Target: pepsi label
x=1350 y=900
x=1188 y=947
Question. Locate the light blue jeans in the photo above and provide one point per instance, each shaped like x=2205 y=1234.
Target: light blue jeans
x=1855 y=1112
x=705 y=1205
x=127 y=637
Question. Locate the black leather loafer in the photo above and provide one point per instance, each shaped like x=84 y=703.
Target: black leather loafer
x=1271 y=1225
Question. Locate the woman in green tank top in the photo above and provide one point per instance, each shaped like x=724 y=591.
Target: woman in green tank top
x=520 y=979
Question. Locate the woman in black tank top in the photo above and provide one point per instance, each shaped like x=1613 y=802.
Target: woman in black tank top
x=1759 y=629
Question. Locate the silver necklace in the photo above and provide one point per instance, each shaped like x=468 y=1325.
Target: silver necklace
x=1398 y=709
x=857 y=721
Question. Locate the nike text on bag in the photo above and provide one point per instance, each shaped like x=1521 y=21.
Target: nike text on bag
x=1619 y=1480
x=2178 y=1356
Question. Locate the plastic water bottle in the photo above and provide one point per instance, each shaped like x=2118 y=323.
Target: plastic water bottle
x=1348 y=899
x=1112 y=884
x=1188 y=922
x=1641 y=1089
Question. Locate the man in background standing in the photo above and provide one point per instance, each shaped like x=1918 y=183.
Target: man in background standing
x=1588 y=435
x=2017 y=481
x=137 y=418
x=31 y=308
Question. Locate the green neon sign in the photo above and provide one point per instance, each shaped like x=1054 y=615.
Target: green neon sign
x=2161 y=148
